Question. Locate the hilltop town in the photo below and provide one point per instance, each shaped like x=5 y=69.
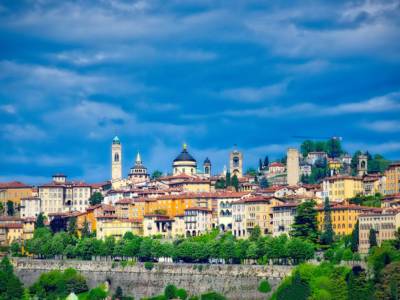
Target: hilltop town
x=193 y=199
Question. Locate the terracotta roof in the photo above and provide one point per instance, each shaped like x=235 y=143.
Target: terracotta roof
x=125 y=201
x=11 y=225
x=340 y=177
x=156 y=216
x=9 y=218
x=276 y=164
x=258 y=199
x=13 y=185
x=347 y=206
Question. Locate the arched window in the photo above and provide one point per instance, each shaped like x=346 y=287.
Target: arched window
x=116 y=157
x=236 y=161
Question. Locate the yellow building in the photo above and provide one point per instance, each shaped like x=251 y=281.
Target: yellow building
x=339 y=188
x=14 y=191
x=258 y=212
x=171 y=205
x=343 y=217
x=111 y=226
x=393 y=179
x=334 y=164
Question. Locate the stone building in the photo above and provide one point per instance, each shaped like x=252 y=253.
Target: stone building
x=236 y=163
x=197 y=221
x=283 y=218
x=293 y=167
x=116 y=160
x=392 y=175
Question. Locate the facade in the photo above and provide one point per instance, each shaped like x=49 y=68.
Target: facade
x=138 y=173
x=117 y=227
x=236 y=163
x=276 y=168
x=14 y=191
x=197 y=221
x=293 y=167
x=62 y=196
x=14 y=229
x=30 y=207
x=305 y=170
x=258 y=212
x=385 y=223
x=339 y=188
x=392 y=175
x=184 y=163
x=314 y=156
x=343 y=217
x=116 y=160
x=238 y=218
x=371 y=185
x=283 y=218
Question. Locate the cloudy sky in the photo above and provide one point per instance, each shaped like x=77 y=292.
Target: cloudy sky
x=209 y=73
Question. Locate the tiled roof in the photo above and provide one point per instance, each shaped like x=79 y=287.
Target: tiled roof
x=11 y=225
x=198 y=208
x=13 y=185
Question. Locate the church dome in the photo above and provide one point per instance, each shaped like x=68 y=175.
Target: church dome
x=116 y=140
x=184 y=156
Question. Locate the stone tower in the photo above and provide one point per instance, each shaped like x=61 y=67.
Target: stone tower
x=362 y=165
x=207 y=167
x=116 y=159
x=236 y=163
x=292 y=166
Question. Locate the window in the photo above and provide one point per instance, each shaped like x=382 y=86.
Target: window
x=116 y=157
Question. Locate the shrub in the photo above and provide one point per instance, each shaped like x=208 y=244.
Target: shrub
x=148 y=265
x=170 y=291
x=212 y=296
x=96 y=294
x=181 y=294
x=264 y=286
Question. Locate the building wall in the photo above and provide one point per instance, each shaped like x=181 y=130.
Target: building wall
x=343 y=219
x=14 y=194
x=393 y=179
x=30 y=207
x=283 y=218
x=293 y=167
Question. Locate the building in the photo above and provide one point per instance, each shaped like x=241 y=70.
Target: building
x=258 y=212
x=207 y=167
x=339 y=188
x=197 y=221
x=372 y=185
x=315 y=156
x=30 y=207
x=292 y=166
x=392 y=175
x=362 y=165
x=305 y=170
x=14 y=229
x=343 y=217
x=184 y=163
x=239 y=218
x=116 y=160
x=283 y=218
x=14 y=191
x=276 y=168
x=236 y=163
x=385 y=223
x=111 y=226
x=61 y=195
x=138 y=173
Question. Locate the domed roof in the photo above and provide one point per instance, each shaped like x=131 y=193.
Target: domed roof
x=184 y=155
x=116 y=140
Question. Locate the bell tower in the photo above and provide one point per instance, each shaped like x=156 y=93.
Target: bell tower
x=236 y=163
x=116 y=159
x=207 y=167
x=362 y=165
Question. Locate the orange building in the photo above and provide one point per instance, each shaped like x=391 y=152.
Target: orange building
x=14 y=191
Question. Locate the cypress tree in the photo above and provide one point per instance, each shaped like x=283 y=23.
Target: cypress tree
x=327 y=236
x=228 y=179
x=372 y=238
x=355 y=238
x=235 y=182
x=266 y=161
x=39 y=221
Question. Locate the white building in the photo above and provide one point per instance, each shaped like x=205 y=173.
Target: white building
x=283 y=218
x=198 y=220
x=313 y=157
x=238 y=219
x=30 y=207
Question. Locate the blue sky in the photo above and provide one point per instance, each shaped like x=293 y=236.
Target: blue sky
x=209 y=73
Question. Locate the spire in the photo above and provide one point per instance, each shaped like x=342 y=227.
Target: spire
x=138 y=158
x=184 y=146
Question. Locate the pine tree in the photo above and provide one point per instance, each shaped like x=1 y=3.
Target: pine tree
x=266 y=161
x=372 y=238
x=72 y=226
x=355 y=238
x=327 y=236
x=305 y=222
x=235 y=182
x=39 y=221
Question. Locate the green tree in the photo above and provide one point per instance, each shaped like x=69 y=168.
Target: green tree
x=300 y=250
x=96 y=294
x=181 y=294
x=305 y=222
x=255 y=233
x=170 y=291
x=10 y=286
x=156 y=174
x=334 y=147
x=85 y=230
x=355 y=238
x=235 y=182
x=15 y=248
x=251 y=171
x=358 y=285
x=220 y=183
x=306 y=147
x=212 y=296
x=354 y=162
x=266 y=161
x=372 y=238
x=40 y=221
x=96 y=198
x=264 y=286
x=297 y=289
x=260 y=165
x=118 y=293
x=388 y=286
x=72 y=227
x=264 y=183
x=10 y=208
x=1 y=208
x=327 y=235
x=228 y=179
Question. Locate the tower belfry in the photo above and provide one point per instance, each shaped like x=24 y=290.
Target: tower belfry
x=116 y=159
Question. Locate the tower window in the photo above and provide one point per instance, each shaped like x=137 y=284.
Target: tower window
x=116 y=157
x=236 y=161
